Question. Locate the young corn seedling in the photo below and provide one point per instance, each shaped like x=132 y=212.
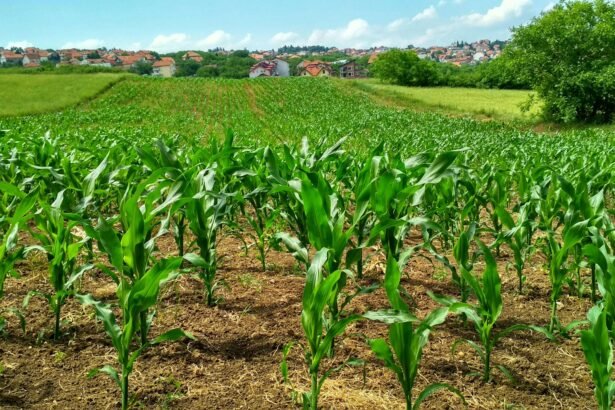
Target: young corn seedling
x=55 y=233
x=559 y=267
x=136 y=298
x=485 y=313
x=518 y=237
x=497 y=196
x=208 y=210
x=10 y=252
x=598 y=351
x=397 y=191
x=130 y=251
x=260 y=215
x=403 y=350
x=319 y=290
x=362 y=216
x=599 y=255
x=175 y=174
x=285 y=175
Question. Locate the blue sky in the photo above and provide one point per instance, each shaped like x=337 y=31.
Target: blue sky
x=198 y=24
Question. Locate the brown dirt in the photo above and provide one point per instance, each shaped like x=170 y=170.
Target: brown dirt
x=235 y=361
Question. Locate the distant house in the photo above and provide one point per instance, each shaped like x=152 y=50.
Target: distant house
x=146 y=55
x=372 y=58
x=9 y=57
x=351 y=70
x=31 y=58
x=270 y=68
x=192 y=55
x=314 y=69
x=257 y=57
x=127 y=62
x=43 y=55
x=164 y=68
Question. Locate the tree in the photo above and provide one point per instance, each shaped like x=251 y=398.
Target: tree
x=568 y=56
x=208 y=71
x=187 y=68
x=94 y=55
x=405 y=68
x=142 y=68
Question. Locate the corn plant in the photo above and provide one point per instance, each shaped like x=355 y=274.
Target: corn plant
x=260 y=215
x=403 y=351
x=518 y=237
x=10 y=252
x=55 y=234
x=175 y=173
x=599 y=256
x=130 y=250
x=397 y=190
x=558 y=264
x=598 y=350
x=361 y=214
x=497 y=197
x=285 y=175
x=320 y=335
x=485 y=314
x=317 y=293
x=136 y=298
x=208 y=210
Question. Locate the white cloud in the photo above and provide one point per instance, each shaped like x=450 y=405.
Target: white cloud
x=427 y=14
x=245 y=41
x=19 y=44
x=397 y=24
x=284 y=38
x=91 y=43
x=355 y=34
x=433 y=36
x=172 y=42
x=218 y=38
x=182 y=41
x=499 y=14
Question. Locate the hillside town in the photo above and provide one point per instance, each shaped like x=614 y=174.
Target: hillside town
x=313 y=61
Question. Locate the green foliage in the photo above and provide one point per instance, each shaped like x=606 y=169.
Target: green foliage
x=142 y=68
x=316 y=294
x=55 y=233
x=485 y=314
x=567 y=55
x=404 y=68
x=403 y=351
x=598 y=350
x=135 y=300
x=186 y=68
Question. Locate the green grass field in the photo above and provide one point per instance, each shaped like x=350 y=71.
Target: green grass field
x=32 y=94
x=502 y=105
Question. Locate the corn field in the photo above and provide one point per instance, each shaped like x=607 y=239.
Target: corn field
x=142 y=190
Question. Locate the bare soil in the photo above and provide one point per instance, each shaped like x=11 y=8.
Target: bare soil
x=235 y=362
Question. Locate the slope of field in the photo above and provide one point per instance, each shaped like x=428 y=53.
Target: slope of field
x=503 y=105
x=235 y=361
x=22 y=94
x=274 y=111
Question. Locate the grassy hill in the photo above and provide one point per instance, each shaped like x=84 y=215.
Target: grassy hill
x=22 y=94
x=504 y=105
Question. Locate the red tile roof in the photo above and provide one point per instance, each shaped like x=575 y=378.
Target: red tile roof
x=165 y=62
x=130 y=60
